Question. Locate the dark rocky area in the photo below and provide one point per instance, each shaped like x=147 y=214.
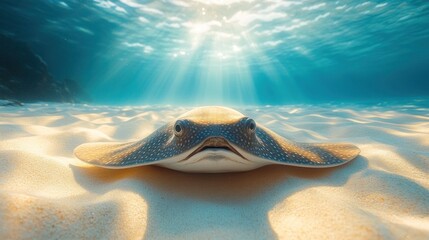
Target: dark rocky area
x=24 y=76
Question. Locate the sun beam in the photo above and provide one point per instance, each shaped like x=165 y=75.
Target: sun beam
x=212 y=52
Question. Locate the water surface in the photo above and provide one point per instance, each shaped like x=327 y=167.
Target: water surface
x=230 y=51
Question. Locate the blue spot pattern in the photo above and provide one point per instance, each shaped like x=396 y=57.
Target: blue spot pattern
x=163 y=144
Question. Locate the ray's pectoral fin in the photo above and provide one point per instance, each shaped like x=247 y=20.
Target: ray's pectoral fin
x=317 y=155
x=330 y=154
x=312 y=155
x=109 y=155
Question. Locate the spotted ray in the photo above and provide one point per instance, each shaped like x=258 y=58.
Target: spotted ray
x=215 y=139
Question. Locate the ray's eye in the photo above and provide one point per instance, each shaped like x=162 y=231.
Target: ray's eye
x=250 y=125
x=178 y=128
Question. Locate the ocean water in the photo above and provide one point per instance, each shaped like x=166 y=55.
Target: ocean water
x=312 y=71
x=231 y=52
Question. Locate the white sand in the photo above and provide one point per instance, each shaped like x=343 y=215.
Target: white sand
x=45 y=193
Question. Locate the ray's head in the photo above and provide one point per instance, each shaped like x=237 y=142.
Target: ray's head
x=212 y=115
x=212 y=122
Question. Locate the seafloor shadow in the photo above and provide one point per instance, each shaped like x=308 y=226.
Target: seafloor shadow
x=183 y=204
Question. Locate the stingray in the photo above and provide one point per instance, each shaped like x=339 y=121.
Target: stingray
x=215 y=139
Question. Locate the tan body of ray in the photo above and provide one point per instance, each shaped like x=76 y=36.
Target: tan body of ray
x=215 y=139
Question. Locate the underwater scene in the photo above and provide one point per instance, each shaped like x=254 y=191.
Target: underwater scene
x=214 y=119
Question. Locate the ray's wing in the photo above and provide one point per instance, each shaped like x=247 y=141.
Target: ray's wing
x=314 y=155
x=149 y=150
x=107 y=154
x=330 y=154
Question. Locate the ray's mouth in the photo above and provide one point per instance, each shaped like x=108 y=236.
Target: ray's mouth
x=215 y=143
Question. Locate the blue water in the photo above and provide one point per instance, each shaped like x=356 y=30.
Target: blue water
x=231 y=51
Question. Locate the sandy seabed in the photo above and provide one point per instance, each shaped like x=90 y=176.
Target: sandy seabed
x=46 y=193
